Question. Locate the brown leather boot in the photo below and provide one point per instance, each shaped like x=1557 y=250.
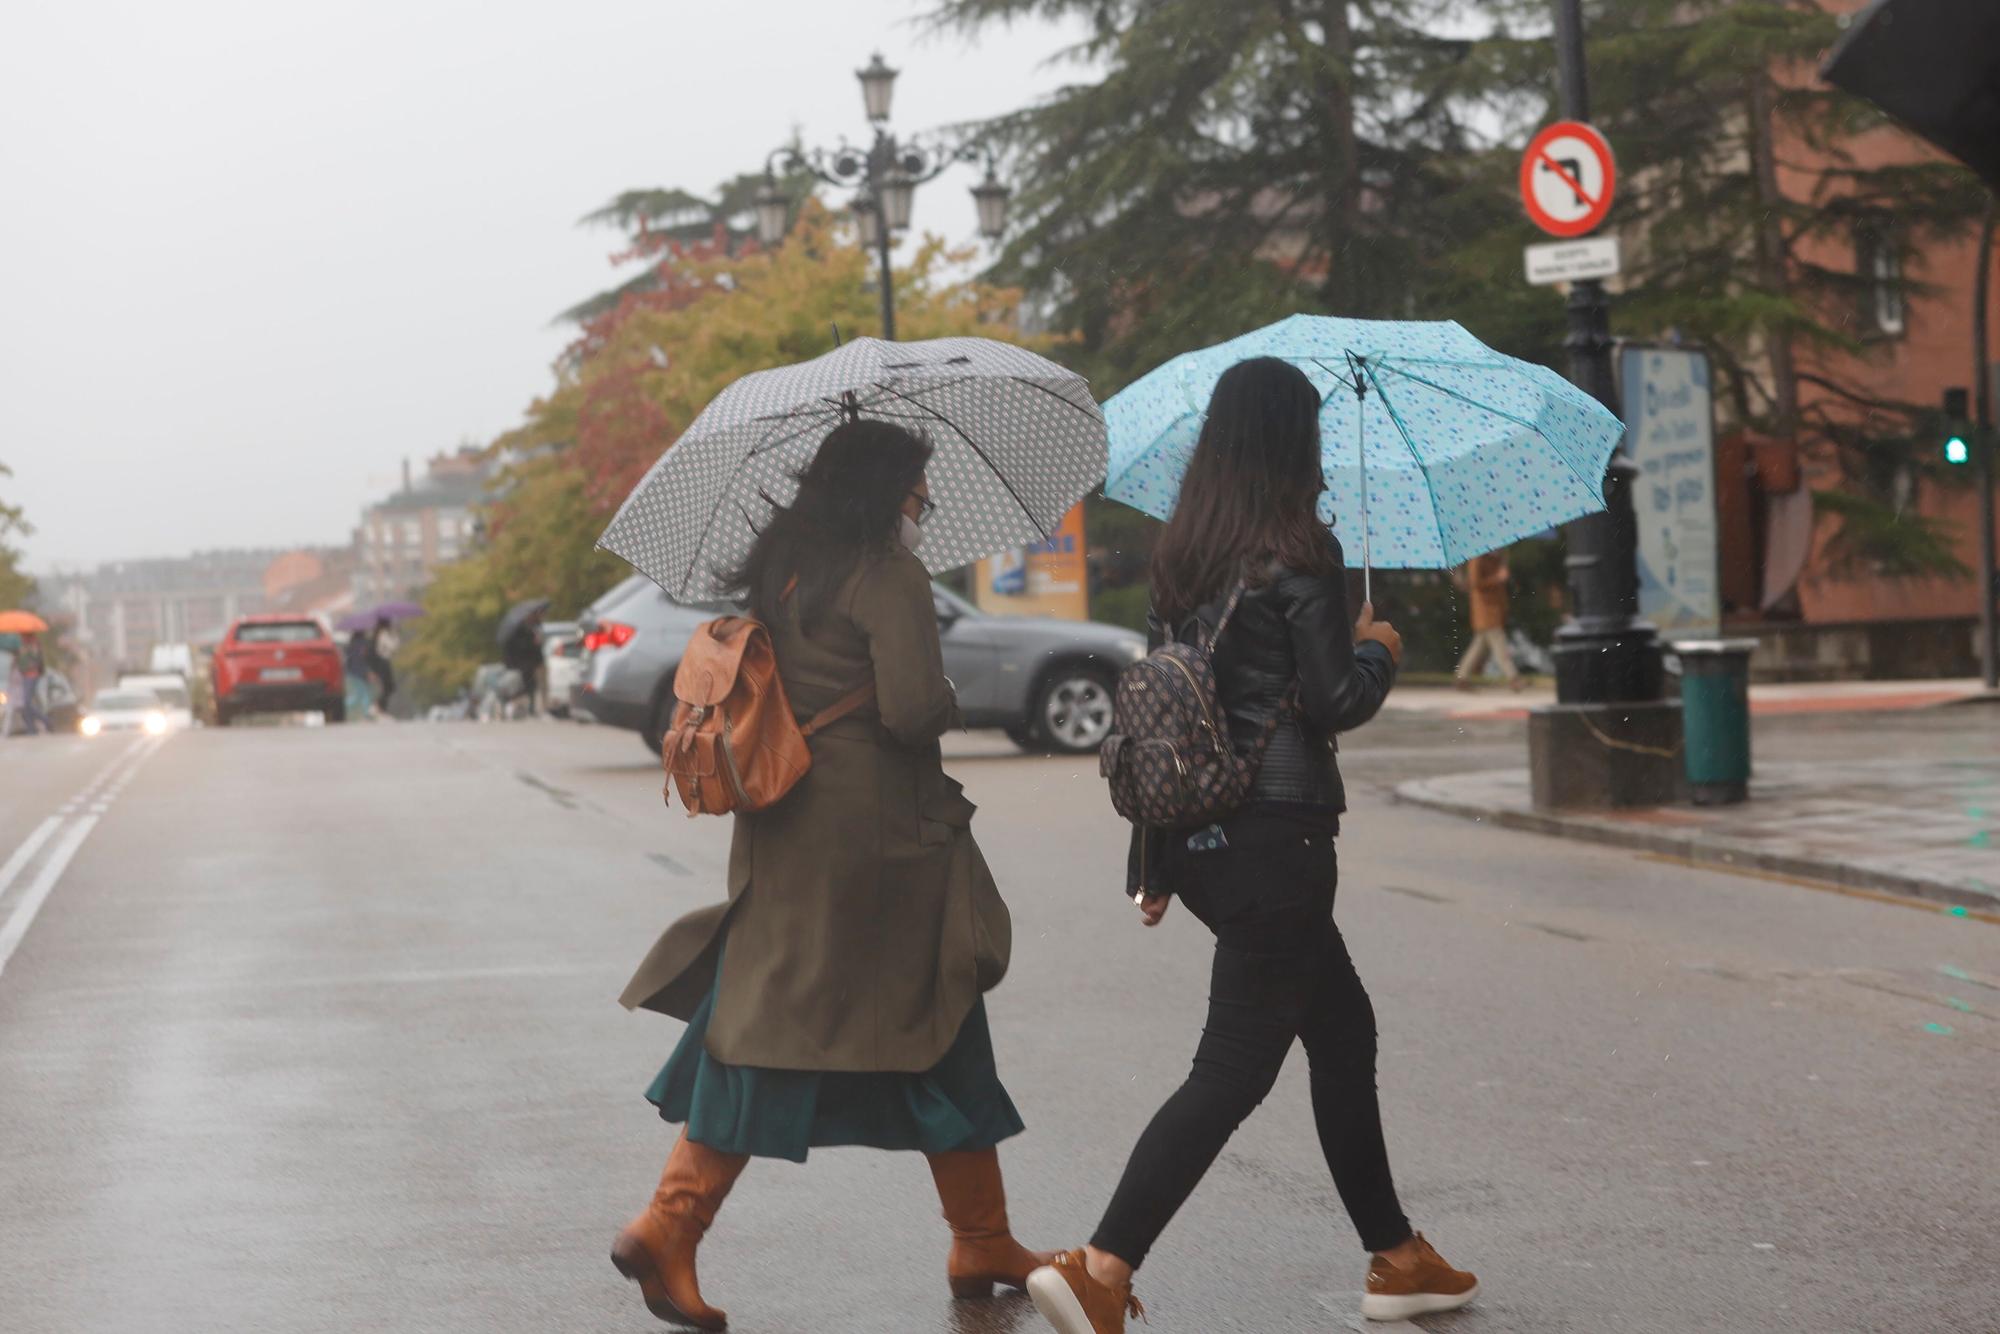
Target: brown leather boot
x=656 y=1249
x=983 y=1249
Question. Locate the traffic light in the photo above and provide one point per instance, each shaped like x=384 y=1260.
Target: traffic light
x=1957 y=439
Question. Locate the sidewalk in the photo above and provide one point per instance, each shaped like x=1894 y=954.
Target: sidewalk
x=1926 y=828
x=1492 y=703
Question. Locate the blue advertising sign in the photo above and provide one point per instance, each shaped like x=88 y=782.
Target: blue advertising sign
x=1010 y=572
x=1670 y=440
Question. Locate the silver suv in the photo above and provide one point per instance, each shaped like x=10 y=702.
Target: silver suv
x=1048 y=683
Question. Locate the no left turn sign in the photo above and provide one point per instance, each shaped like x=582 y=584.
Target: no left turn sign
x=1567 y=177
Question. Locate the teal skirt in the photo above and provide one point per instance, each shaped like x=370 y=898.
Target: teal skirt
x=956 y=1104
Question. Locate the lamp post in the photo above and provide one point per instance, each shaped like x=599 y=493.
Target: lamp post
x=885 y=175
x=1606 y=655
x=1608 y=741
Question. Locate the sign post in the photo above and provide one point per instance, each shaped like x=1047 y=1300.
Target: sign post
x=1609 y=741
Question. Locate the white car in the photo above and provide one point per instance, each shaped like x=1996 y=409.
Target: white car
x=172 y=690
x=122 y=710
x=562 y=663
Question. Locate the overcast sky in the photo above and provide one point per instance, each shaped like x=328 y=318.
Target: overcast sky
x=255 y=254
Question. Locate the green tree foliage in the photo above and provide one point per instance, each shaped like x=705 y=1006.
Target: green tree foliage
x=1229 y=164
x=17 y=589
x=658 y=220
x=1746 y=206
x=1218 y=166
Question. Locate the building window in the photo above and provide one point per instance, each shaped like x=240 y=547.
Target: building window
x=1880 y=268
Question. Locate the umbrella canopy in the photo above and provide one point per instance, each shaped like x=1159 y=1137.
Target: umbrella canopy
x=1935 y=66
x=22 y=623
x=388 y=611
x=1435 y=448
x=517 y=616
x=1018 y=442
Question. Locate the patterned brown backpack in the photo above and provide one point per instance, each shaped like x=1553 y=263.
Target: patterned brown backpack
x=1169 y=758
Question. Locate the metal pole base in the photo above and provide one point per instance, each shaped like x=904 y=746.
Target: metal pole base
x=1613 y=665
x=1605 y=756
x=1718 y=794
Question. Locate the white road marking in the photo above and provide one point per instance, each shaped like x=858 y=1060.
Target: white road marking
x=26 y=852
x=76 y=818
x=38 y=892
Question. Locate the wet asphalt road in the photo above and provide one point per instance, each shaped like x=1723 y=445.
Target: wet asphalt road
x=315 y=1030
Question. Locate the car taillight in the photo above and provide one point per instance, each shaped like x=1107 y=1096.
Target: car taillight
x=608 y=634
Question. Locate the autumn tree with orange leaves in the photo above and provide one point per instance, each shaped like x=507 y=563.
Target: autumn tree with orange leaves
x=641 y=369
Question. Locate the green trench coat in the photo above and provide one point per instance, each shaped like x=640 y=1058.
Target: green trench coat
x=862 y=921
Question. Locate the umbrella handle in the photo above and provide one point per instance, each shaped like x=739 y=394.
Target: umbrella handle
x=1361 y=466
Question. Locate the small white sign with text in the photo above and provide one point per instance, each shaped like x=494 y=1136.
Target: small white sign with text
x=1572 y=261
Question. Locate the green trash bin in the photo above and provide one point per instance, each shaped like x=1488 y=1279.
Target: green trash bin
x=1715 y=718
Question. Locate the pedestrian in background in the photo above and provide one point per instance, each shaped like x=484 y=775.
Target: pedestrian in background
x=522 y=654
x=382 y=645
x=1485 y=580
x=28 y=662
x=1291 y=664
x=836 y=998
x=360 y=683
x=11 y=706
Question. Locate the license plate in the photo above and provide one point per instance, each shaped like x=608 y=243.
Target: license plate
x=282 y=674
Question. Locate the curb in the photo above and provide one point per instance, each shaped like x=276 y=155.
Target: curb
x=1699 y=849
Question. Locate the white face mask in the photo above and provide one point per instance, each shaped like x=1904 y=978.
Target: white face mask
x=910 y=534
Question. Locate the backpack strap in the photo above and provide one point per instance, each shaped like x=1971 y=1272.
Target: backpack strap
x=856 y=698
x=1228 y=613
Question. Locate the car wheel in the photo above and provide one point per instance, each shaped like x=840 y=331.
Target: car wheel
x=1073 y=711
x=336 y=712
x=223 y=717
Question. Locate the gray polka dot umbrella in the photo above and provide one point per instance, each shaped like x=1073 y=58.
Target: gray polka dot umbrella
x=1019 y=441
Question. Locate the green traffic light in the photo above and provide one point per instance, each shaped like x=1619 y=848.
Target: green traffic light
x=1956 y=450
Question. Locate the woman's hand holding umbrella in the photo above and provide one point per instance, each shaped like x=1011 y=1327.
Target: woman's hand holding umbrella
x=1368 y=630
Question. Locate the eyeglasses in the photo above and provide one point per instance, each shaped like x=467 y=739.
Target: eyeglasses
x=925 y=507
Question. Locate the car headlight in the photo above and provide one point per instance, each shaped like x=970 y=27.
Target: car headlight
x=156 y=723
x=91 y=726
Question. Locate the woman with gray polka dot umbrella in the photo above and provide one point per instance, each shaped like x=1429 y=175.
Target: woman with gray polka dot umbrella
x=1018 y=439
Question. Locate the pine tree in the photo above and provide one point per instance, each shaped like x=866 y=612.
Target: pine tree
x=1235 y=163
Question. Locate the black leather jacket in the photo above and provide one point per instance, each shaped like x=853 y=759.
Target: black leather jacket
x=1290 y=631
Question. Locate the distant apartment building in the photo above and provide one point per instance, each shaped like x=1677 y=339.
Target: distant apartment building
x=403 y=539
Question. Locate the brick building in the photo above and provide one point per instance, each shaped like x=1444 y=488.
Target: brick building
x=404 y=538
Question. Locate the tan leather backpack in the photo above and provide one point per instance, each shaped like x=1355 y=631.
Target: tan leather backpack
x=734 y=744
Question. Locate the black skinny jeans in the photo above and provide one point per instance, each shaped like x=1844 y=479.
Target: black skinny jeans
x=1281 y=973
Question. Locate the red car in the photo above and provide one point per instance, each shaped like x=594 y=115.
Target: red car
x=278 y=664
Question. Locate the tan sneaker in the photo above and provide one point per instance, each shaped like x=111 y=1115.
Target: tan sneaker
x=1427 y=1287
x=1075 y=1303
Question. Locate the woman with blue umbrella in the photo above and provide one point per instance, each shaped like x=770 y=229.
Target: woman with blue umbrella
x=1430 y=448
x=1247 y=566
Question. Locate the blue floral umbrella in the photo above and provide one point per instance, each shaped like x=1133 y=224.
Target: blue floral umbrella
x=1436 y=447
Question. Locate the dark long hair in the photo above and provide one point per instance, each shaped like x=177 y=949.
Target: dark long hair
x=1250 y=498
x=846 y=508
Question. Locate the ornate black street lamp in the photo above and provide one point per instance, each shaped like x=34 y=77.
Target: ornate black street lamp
x=885 y=175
